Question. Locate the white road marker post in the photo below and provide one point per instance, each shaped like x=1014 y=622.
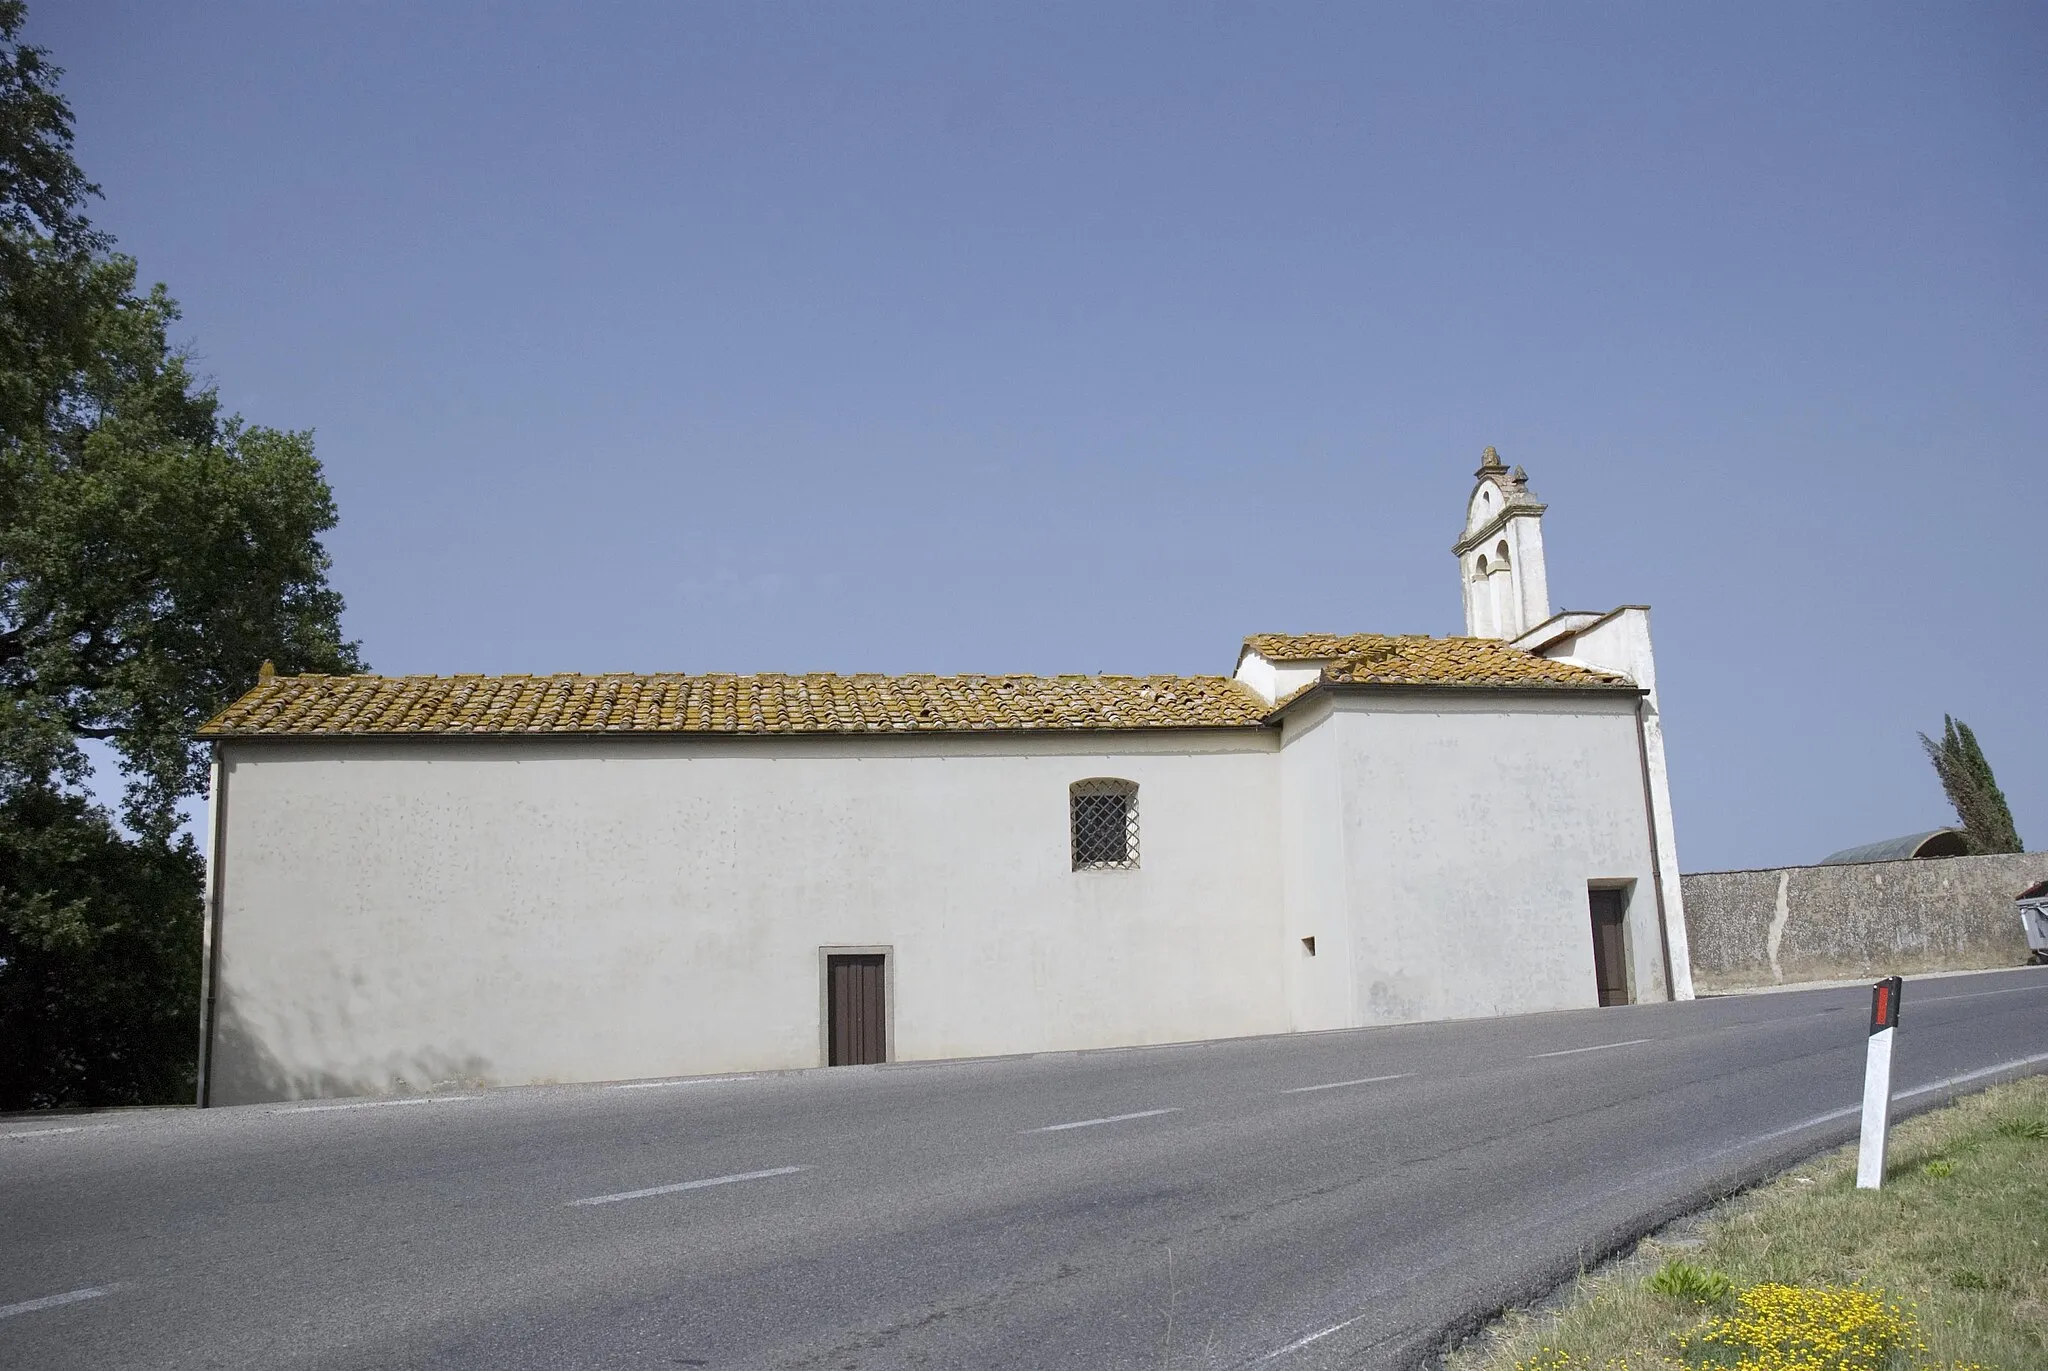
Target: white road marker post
x=1877 y=1082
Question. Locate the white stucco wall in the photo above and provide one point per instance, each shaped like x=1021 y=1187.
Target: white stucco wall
x=1562 y=624
x=1532 y=576
x=1620 y=641
x=396 y=915
x=1320 y=986
x=1276 y=680
x=1471 y=828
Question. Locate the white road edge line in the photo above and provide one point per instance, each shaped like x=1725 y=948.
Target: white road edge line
x=93 y=1292
x=1335 y=1085
x=1114 y=1118
x=694 y=1080
x=1974 y=995
x=74 y=1128
x=1977 y=1075
x=689 y=1185
x=1776 y=1133
x=1596 y=1047
x=376 y=1104
x=1848 y=1111
x=1716 y=1154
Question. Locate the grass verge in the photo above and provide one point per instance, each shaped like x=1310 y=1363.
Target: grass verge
x=1946 y=1266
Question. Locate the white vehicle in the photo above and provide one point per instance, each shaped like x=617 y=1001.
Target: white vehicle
x=2033 y=903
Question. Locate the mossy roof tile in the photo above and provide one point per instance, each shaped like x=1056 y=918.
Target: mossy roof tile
x=332 y=706
x=1418 y=660
x=821 y=702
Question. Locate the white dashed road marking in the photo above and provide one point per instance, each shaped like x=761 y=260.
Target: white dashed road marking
x=1337 y=1085
x=8 y=1311
x=42 y=1132
x=696 y=1080
x=1114 y=1118
x=690 y=1185
x=1300 y=1343
x=1596 y=1047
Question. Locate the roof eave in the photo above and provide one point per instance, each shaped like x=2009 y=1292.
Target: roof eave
x=473 y=734
x=1448 y=688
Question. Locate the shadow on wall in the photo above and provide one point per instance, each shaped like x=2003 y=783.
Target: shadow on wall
x=245 y=1070
x=1834 y=922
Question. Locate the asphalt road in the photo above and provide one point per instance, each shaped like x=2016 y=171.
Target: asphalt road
x=1329 y=1200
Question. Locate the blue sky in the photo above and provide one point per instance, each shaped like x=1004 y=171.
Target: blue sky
x=1093 y=337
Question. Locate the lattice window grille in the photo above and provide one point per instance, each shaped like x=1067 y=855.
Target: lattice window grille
x=1105 y=825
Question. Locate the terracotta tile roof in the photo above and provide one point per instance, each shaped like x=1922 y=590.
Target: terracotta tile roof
x=356 y=706
x=1388 y=659
x=1310 y=647
x=821 y=702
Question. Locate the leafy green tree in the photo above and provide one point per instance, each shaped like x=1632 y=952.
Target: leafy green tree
x=99 y=994
x=153 y=555
x=1967 y=780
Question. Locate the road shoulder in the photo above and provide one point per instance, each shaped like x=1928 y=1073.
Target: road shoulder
x=1949 y=1243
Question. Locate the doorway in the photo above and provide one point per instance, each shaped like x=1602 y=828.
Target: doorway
x=1610 y=943
x=856 y=1008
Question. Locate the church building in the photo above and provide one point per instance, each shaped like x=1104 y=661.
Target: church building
x=421 y=882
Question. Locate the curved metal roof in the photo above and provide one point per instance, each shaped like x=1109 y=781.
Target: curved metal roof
x=1941 y=842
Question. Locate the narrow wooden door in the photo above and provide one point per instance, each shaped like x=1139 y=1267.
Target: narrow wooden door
x=858 y=1013
x=1610 y=950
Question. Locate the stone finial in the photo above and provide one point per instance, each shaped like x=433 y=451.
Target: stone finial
x=1490 y=464
x=267 y=670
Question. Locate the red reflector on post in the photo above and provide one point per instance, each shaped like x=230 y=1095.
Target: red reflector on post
x=1884 y=1003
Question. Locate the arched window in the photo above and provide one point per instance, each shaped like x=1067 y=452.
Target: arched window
x=1507 y=615
x=1480 y=619
x=1104 y=821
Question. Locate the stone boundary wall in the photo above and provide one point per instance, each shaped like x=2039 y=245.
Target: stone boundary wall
x=1817 y=923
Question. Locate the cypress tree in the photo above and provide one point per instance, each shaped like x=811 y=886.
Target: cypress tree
x=1966 y=779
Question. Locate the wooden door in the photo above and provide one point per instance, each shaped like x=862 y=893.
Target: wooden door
x=858 y=1013
x=1610 y=949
